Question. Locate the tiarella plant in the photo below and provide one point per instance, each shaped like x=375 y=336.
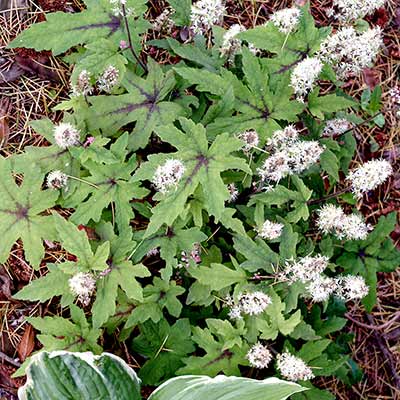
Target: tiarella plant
x=219 y=194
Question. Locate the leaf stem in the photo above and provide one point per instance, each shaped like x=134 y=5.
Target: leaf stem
x=128 y=32
x=329 y=196
x=83 y=181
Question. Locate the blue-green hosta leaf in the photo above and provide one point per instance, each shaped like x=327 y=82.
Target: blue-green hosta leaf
x=164 y=346
x=146 y=103
x=223 y=387
x=20 y=214
x=203 y=167
x=53 y=376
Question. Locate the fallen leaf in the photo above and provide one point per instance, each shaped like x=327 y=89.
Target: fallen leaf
x=4 y=127
x=371 y=77
x=5 y=285
x=27 y=343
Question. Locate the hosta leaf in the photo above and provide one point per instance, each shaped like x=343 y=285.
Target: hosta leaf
x=203 y=166
x=54 y=376
x=227 y=388
x=20 y=214
x=164 y=346
x=146 y=103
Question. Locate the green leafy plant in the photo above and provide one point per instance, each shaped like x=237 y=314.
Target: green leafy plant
x=205 y=210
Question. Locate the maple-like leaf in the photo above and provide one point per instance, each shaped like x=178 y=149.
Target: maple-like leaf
x=146 y=103
x=257 y=104
x=20 y=214
x=107 y=184
x=203 y=167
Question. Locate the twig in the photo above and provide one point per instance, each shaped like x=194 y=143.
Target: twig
x=361 y=123
x=128 y=32
x=387 y=354
x=10 y=360
x=374 y=327
x=329 y=196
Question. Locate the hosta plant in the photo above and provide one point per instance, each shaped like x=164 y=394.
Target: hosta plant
x=213 y=222
x=108 y=377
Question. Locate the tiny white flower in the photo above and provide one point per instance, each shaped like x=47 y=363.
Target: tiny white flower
x=56 y=180
x=321 y=288
x=304 y=76
x=304 y=154
x=250 y=139
x=259 y=356
x=83 y=285
x=205 y=14
x=355 y=228
x=369 y=176
x=168 y=175
x=336 y=127
x=66 y=135
x=275 y=167
x=270 y=230
x=350 y=287
x=286 y=20
x=293 y=368
x=107 y=81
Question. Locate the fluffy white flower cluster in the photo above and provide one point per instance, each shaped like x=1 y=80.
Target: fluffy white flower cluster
x=394 y=98
x=369 y=176
x=259 y=356
x=305 y=269
x=349 y=52
x=289 y=155
x=250 y=139
x=348 y=10
x=83 y=285
x=336 y=127
x=205 y=14
x=347 y=287
x=56 y=180
x=293 y=368
x=304 y=75
x=231 y=45
x=350 y=287
x=83 y=84
x=286 y=20
x=66 y=135
x=321 y=288
x=332 y=219
x=252 y=303
x=168 y=175
x=108 y=79
x=270 y=230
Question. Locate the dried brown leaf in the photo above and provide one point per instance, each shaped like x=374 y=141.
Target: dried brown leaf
x=27 y=343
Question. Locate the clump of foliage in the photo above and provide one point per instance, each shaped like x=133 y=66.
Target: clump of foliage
x=218 y=244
